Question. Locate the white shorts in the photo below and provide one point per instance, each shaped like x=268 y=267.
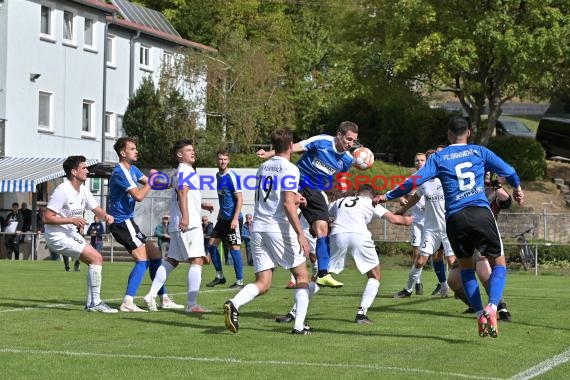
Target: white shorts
x=272 y=249
x=67 y=245
x=432 y=240
x=361 y=247
x=186 y=245
x=416 y=234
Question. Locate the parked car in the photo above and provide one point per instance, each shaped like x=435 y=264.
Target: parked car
x=554 y=135
x=512 y=127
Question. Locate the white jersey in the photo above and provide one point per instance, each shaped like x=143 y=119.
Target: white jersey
x=66 y=202
x=193 y=198
x=352 y=215
x=274 y=177
x=432 y=192
x=417 y=212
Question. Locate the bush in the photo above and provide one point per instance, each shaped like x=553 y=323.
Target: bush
x=524 y=154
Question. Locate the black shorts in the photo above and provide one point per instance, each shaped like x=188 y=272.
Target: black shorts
x=474 y=228
x=222 y=230
x=316 y=208
x=128 y=234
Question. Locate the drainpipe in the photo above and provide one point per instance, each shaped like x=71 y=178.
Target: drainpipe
x=132 y=63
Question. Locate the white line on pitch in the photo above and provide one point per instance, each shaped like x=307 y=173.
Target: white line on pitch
x=71 y=306
x=244 y=362
x=543 y=367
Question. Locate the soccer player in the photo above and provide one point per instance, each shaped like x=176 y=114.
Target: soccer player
x=470 y=223
x=324 y=156
x=185 y=229
x=499 y=200
x=123 y=195
x=277 y=236
x=63 y=219
x=418 y=214
x=433 y=234
x=230 y=221
x=349 y=233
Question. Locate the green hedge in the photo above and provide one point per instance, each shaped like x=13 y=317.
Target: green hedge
x=524 y=154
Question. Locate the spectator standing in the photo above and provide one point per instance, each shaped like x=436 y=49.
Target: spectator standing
x=13 y=226
x=161 y=232
x=207 y=228
x=246 y=235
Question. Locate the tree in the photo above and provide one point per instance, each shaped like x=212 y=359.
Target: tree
x=157 y=119
x=484 y=52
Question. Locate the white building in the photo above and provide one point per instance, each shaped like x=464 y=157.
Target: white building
x=67 y=68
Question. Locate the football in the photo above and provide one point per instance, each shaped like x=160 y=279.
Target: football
x=362 y=158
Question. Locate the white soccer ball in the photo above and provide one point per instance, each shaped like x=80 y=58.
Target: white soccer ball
x=362 y=158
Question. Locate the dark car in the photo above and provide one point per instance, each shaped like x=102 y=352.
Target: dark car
x=553 y=133
x=512 y=127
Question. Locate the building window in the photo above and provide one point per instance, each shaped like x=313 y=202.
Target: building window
x=109 y=124
x=144 y=56
x=119 y=126
x=87 y=118
x=46 y=23
x=167 y=60
x=88 y=33
x=45 y=111
x=68 y=31
x=110 y=50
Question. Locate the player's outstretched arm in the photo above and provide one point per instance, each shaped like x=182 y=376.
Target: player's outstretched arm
x=398 y=219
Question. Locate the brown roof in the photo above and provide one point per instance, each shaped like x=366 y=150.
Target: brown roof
x=159 y=34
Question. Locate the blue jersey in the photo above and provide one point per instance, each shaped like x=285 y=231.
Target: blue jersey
x=461 y=169
x=227 y=186
x=121 y=204
x=321 y=161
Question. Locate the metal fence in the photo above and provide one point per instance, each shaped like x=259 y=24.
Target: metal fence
x=550 y=227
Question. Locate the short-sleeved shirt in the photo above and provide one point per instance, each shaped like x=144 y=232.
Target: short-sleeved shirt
x=432 y=192
x=274 y=177
x=227 y=185
x=193 y=198
x=321 y=161
x=352 y=215
x=121 y=203
x=66 y=202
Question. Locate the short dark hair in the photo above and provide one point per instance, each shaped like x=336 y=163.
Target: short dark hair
x=121 y=143
x=429 y=152
x=181 y=144
x=15 y=204
x=281 y=139
x=222 y=152
x=458 y=126
x=72 y=162
x=366 y=190
x=346 y=126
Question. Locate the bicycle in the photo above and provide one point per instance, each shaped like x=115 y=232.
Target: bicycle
x=525 y=252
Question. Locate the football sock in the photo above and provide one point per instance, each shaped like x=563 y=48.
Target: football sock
x=413 y=277
x=135 y=278
x=370 y=292
x=153 y=266
x=238 y=263
x=322 y=255
x=497 y=284
x=313 y=289
x=194 y=280
x=302 y=302
x=439 y=269
x=471 y=287
x=94 y=284
x=246 y=295
x=215 y=256
x=160 y=278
